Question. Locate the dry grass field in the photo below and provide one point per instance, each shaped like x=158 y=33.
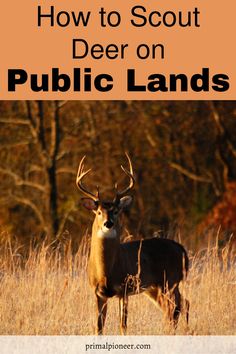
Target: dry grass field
x=49 y=294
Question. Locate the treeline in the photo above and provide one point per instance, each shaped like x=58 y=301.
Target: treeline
x=183 y=154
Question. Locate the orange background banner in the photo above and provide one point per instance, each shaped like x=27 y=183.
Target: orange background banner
x=206 y=41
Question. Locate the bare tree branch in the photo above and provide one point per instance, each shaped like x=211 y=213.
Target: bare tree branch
x=62 y=154
x=37 y=132
x=66 y=170
x=190 y=174
x=13 y=145
x=10 y=173
x=4 y=200
x=21 y=182
x=35 y=168
x=14 y=121
x=150 y=139
x=41 y=130
x=220 y=127
x=30 y=116
x=55 y=133
x=29 y=203
x=214 y=184
x=61 y=103
x=65 y=218
x=31 y=184
x=31 y=122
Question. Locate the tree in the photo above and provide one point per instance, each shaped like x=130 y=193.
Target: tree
x=34 y=183
x=183 y=154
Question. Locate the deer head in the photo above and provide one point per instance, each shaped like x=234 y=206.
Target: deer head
x=107 y=212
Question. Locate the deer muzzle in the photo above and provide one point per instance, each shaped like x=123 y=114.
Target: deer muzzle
x=108 y=224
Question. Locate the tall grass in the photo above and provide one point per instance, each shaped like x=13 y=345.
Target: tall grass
x=48 y=294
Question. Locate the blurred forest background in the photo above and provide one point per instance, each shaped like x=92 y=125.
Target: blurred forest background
x=183 y=154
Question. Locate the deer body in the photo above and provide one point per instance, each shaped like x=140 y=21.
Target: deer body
x=111 y=262
x=154 y=266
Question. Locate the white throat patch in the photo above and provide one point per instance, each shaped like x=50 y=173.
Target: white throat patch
x=107 y=233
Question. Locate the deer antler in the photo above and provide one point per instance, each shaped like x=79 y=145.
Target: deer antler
x=130 y=174
x=80 y=175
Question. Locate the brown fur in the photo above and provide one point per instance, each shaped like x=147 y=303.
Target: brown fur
x=154 y=266
x=113 y=268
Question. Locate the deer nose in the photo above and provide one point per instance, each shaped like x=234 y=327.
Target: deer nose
x=108 y=224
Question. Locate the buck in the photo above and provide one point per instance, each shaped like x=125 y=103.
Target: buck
x=154 y=266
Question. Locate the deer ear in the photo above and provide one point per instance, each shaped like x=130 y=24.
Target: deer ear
x=89 y=203
x=125 y=202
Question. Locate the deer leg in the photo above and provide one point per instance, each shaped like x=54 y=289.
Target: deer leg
x=171 y=303
x=187 y=305
x=101 y=314
x=162 y=299
x=123 y=305
x=168 y=301
x=158 y=297
x=177 y=306
x=181 y=305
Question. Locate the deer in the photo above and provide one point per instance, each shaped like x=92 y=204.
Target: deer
x=153 y=266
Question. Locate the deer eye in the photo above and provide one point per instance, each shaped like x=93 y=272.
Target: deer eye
x=99 y=212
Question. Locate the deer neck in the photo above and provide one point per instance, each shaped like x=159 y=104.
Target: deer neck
x=104 y=253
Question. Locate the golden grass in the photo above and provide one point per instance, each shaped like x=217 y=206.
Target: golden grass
x=50 y=295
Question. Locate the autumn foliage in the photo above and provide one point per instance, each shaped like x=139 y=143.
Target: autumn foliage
x=183 y=153
x=223 y=214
